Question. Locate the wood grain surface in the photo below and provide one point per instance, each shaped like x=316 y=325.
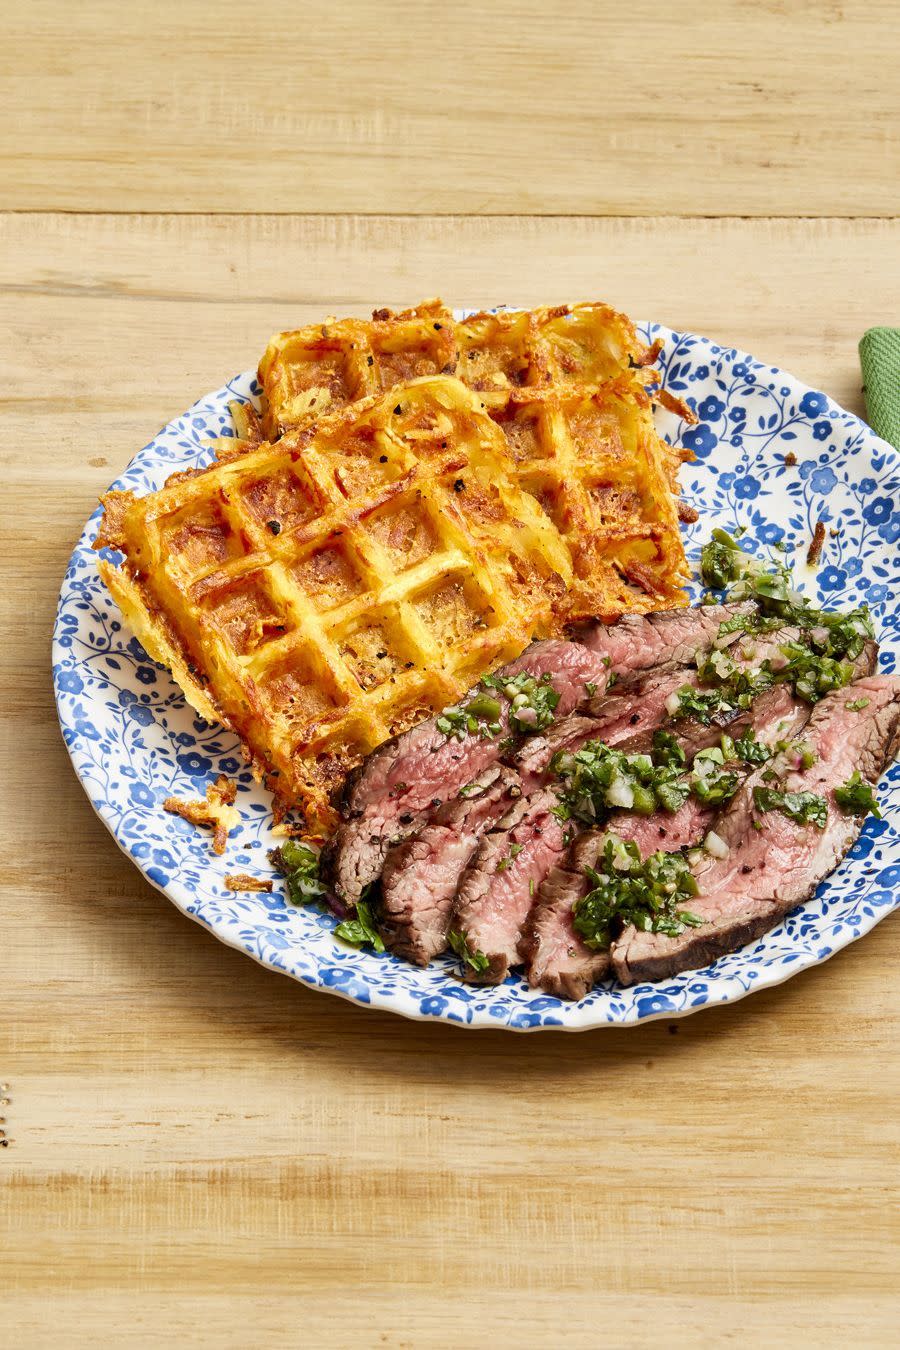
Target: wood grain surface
x=199 y=1152
x=776 y=107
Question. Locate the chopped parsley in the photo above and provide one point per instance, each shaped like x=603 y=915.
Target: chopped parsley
x=475 y=960
x=856 y=798
x=806 y=808
x=597 y=779
x=458 y=722
x=532 y=704
x=710 y=785
x=298 y=863
x=626 y=890
x=857 y=704
x=360 y=931
x=721 y=561
x=823 y=660
x=514 y=851
x=749 y=749
x=667 y=750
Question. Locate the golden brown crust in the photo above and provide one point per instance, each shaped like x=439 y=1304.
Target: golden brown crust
x=326 y=591
x=216 y=812
x=310 y=371
x=242 y=881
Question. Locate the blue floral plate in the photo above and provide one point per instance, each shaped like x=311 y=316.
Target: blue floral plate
x=772 y=456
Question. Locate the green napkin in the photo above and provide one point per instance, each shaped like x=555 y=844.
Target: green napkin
x=879 y=354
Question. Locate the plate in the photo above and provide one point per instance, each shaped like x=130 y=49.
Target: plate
x=773 y=456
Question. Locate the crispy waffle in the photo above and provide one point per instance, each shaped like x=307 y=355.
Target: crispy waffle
x=312 y=370
x=323 y=593
x=593 y=460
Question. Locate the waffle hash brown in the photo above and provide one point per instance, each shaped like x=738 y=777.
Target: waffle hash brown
x=320 y=594
x=594 y=461
x=309 y=371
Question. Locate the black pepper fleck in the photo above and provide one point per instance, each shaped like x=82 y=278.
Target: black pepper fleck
x=382 y=459
x=370 y=360
x=274 y=526
x=379 y=656
x=398 y=409
x=459 y=486
x=634 y=719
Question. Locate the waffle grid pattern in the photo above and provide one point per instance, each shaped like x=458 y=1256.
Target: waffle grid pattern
x=311 y=370
x=341 y=584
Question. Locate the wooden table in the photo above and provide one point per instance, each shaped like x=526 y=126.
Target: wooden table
x=200 y=1153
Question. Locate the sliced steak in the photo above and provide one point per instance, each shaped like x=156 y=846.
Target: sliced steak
x=639 y=641
x=499 y=885
x=557 y=958
x=412 y=774
x=420 y=875
x=771 y=869
x=636 y=706
x=776 y=715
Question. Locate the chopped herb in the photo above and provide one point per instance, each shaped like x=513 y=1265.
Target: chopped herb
x=806 y=754
x=360 y=931
x=832 y=635
x=455 y=723
x=856 y=798
x=299 y=865
x=704 y=705
x=712 y=789
x=806 y=808
x=749 y=749
x=626 y=890
x=476 y=960
x=857 y=704
x=590 y=688
x=667 y=750
x=721 y=561
x=514 y=851
x=483 y=706
x=596 y=779
x=532 y=704
x=532 y=701
x=531 y=885
x=812 y=674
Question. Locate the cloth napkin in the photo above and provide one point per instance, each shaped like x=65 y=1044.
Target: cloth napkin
x=879 y=355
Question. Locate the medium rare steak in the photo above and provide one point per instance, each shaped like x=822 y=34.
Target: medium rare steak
x=624 y=718
x=771 y=869
x=636 y=706
x=557 y=958
x=639 y=641
x=399 y=783
x=421 y=874
x=412 y=774
x=498 y=886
